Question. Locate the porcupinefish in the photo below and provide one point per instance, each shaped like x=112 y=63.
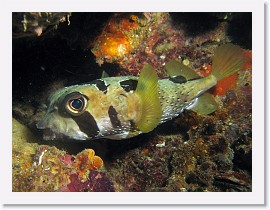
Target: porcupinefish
x=126 y=106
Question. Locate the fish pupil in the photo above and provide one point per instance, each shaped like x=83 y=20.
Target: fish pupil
x=76 y=104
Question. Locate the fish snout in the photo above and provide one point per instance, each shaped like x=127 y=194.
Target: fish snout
x=41 y=125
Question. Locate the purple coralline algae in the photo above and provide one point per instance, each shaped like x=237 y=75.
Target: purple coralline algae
x=97 y=182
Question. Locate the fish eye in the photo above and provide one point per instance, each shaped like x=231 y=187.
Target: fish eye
x=76 y=104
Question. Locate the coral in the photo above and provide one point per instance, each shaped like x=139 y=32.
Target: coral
x=144 y=168
x=238 y=181
x=86 y=161
x=35 y=23
x=43 y=168
x=22 y=153
x=117 y=39
x=152 y=38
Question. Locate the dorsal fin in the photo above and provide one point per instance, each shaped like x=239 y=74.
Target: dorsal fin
x=104 y=74
x=147 y=91
x=205 y=104
x=176 y=68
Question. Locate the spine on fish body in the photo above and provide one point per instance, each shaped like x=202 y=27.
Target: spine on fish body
x=174 y=97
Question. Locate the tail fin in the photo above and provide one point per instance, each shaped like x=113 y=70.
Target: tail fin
x=228 y=59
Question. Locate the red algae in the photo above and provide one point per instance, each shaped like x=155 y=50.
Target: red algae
x=205 y=70
x=248 y=60
x=226 y=84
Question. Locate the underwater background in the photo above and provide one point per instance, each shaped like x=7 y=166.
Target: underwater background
x=189 y=153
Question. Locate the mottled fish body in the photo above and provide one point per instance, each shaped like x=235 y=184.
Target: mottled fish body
x=123 y=107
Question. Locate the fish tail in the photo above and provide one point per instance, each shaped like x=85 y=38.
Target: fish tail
x=228 y=59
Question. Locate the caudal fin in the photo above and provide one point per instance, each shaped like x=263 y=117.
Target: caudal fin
x=228 y=59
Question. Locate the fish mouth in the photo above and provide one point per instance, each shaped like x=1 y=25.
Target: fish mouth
x=53 y=133
x=41 y=125
x=49 y=134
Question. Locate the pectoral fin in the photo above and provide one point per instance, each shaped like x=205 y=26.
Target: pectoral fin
x=104 y=75
x=205 y=104
x=147 y=91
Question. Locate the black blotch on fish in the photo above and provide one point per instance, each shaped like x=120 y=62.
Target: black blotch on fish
x=178 y=79
x=100 y=84
x=129 y=85
x=132 y=124
x=113 y=117
x=87 y=124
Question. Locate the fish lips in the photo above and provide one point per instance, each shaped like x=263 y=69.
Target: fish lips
x=53 y=134
x=41 y=125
